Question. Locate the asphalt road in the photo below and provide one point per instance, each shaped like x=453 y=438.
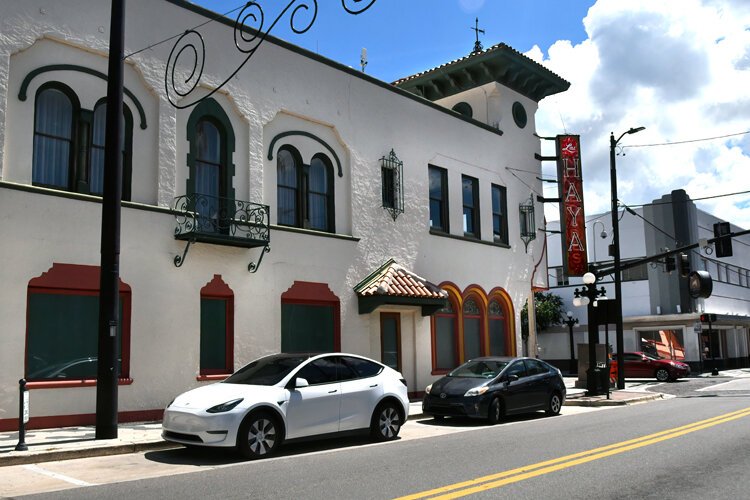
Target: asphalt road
x=696 y=445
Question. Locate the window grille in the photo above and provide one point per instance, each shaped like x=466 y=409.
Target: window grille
x=392 y=170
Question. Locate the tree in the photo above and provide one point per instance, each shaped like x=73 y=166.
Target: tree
x=549 y=311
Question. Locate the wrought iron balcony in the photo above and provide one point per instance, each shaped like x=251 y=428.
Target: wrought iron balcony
x=221 y=221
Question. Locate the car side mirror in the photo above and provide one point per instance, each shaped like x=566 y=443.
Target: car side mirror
x=300 y=382
x=512 y=378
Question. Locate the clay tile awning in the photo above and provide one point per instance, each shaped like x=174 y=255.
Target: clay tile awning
x=393 y=284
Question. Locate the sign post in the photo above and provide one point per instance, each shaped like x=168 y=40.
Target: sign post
x=23 y=415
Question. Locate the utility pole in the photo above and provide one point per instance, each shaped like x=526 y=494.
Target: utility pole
x=109 y=281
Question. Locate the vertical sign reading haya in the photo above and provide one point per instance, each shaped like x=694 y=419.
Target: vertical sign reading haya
x=572 y=219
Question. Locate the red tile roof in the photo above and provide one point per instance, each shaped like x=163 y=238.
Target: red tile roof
x=394 y=280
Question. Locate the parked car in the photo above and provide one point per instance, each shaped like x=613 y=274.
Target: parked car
x=283 y=397
x=644 y=365
x=75 y=368
x=492 y=387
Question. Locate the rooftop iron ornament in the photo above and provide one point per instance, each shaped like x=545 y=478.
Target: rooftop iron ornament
x=477 y=45
x=249 y=35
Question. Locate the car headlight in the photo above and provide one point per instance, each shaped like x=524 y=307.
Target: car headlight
x=428 y=389
x=476 y=391
x=224 y=407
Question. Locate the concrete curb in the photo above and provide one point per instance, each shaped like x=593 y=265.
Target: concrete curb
x=603 y=401
x=34 y=457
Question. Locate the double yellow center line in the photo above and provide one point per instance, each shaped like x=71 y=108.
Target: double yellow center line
x=526 y=472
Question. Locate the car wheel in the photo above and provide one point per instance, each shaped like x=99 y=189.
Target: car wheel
x=386 y=422
x=495 y=411
x=555 y=404
x=259 y=436
x=662 y=375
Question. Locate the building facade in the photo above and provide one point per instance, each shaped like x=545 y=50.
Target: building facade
x=659 y=314
x=301 y=206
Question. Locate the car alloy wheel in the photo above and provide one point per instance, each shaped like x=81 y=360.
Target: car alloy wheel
x=662 y=375
x=386 y=423
x=259 y=436
x=495 y=412
x=555 y=404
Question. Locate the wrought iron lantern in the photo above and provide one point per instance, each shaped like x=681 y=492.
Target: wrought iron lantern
x=528 y=222
x=392 y=178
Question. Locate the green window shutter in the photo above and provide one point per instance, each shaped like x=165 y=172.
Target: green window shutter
x=307 y=328
x=213 y=348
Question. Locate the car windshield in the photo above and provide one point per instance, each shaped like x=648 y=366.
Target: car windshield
x=480 y=368
x=266 y=371
x=651 y=356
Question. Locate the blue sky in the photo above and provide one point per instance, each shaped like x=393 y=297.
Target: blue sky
x=404 y=37
x=680 y=68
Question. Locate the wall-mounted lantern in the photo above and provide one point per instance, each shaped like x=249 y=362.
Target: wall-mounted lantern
x=392 y=178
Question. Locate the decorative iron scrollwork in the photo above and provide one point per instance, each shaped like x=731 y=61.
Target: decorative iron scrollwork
x=187 y=58
x=222 y=221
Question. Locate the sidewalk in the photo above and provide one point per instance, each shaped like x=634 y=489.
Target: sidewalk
x=46 y=445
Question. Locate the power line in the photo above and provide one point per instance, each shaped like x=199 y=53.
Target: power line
x=216 y=17
x=653 y=203
x=686 y=141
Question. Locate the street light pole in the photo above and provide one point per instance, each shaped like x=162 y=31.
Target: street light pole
x=571 y=322
x=616 y=256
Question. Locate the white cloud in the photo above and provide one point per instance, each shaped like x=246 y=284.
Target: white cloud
x=681 y=68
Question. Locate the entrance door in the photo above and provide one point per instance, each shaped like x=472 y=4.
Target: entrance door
x=390 y=340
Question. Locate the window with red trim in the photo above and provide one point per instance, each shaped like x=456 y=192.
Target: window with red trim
x=473 y=321
x=217 y=328
x=62 y=317
x=499 y=344
x=310 y=318
x=445 y=338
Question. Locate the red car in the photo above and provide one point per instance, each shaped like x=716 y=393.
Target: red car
x=642 y=365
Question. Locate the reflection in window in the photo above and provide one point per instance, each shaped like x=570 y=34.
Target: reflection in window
x=304 y=192
x=472 y=320
x=471 y=206
x=498 y=330
x=438 y=178
x=53 y=139
x=446 y=352
x=499 y=215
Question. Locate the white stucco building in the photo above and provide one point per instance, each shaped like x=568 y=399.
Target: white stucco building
x=658 y=311
x=421 y=259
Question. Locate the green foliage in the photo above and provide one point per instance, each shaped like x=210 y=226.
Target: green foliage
x=549 y=311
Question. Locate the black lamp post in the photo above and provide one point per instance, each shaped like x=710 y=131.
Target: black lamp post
x=616 y=253
x=571 y=322
x=587 y=297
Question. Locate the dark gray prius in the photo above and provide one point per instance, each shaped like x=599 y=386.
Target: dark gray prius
x=492 y=387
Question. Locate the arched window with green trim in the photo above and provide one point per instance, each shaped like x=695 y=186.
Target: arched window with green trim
x=211 y=170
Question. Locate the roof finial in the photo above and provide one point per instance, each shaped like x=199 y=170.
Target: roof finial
x=477 y=45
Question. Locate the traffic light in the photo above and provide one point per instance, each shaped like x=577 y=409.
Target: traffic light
x=700 y=285
x=684 y=265
x=708 y=318
x=669 y=264
x=724 y=245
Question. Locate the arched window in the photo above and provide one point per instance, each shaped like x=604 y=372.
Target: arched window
x=287 y=187
x=96 y=157
x=211 y=169
x=473 y=331
x=304 y=192
x=55 y=114
x=445 y=338
x=498 y=330
x=319 y=194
